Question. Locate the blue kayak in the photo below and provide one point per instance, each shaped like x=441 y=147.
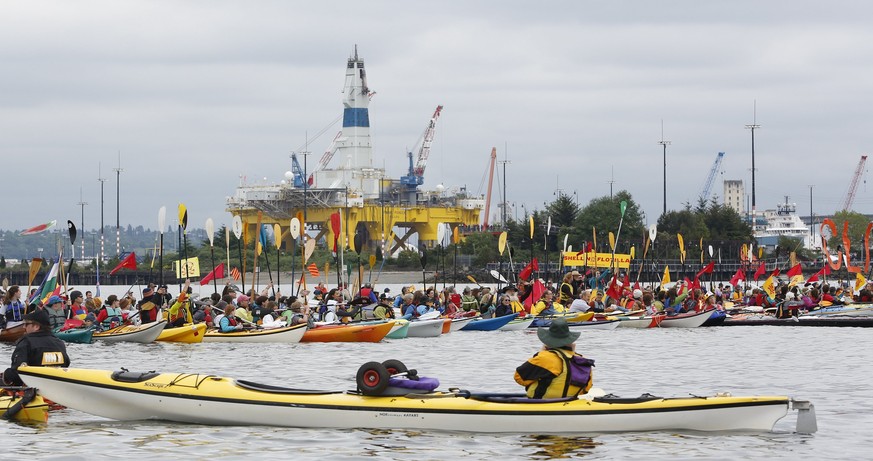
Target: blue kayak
x=489 y=324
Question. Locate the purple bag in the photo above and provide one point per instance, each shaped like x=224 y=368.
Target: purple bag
x=579 y=370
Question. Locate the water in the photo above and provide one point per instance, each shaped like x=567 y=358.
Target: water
x=829 y=366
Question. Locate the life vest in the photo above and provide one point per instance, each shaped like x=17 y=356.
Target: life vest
x=566 y=382
x=113 y=317
x=365 y=292
x=414 y=310
x=15 y=311
x=564 y=297
x=79 y=311
x=181 y=313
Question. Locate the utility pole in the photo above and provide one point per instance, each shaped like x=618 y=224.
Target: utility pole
x=505 y=202
x=118 y=207
x=664 y=144
x=811 y=216
x=753 y=126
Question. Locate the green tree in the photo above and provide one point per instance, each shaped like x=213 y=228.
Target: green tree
x=603 y=215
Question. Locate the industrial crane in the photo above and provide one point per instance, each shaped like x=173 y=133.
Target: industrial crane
x=853 y=186
x=415 y=176
x=707 y=185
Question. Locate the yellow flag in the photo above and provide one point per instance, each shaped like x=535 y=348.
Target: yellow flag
x=795 y=280
x=860 y=281
x=769 y=288
x=681 y=243
x=666 y=278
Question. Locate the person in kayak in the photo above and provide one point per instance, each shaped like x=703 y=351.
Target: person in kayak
x=556 y=371
x=38 y=347
x=547 y=305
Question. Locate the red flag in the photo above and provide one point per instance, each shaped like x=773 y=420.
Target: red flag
x=761 y=270
x=313 y=270
x=706 y=270
x=737 y=277
x=814 y=277
x=529 y=269
x=775 y=273
x=536 y=293
x=613 y=290
x=217 y=273
x=129 y=262
x=826 y=270
x=234 y=274
x=589 y=248
x=796 y=270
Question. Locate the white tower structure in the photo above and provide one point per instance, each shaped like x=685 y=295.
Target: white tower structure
x=353 y=147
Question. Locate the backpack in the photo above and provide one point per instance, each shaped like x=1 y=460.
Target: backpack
x=578 y=370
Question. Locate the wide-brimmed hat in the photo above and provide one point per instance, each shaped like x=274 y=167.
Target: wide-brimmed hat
x=558 y=334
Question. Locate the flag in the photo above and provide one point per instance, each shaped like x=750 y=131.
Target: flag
x=313 y=270
x=48 y=287
x=39 y=228
x=692 y=285
x=860 y=281
x=706 y=270
x=795 y=280
x=666 y=278
x=769 y=288
x=761 y=270
x=814 y=277
x=535 y=294
x=775 y=273
x=234 y=273
x=129 y=262
x=796 y=270
x=737 y=277
x=217 y=273
x=613 y=290
x=529 y=269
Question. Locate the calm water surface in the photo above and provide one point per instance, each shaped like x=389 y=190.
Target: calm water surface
x=830 y=366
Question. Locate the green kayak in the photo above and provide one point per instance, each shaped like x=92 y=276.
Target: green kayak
x=75 y=335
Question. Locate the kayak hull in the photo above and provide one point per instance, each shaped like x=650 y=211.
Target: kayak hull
x=518 y=324
x=146 y=333
x=292 y=334
x=489 y=324
x=206 y=399
x=192 y=333
x=367 y=333
x=425 y=328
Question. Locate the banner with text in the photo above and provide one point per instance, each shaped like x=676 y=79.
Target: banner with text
x=592 y=259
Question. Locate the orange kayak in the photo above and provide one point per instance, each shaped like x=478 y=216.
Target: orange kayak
x=372 y=333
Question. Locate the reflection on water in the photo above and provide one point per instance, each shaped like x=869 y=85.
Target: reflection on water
x=558 y=447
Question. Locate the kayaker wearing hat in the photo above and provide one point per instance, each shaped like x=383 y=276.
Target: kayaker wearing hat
x=569 y=287
x=38 y=347
x=557 y=370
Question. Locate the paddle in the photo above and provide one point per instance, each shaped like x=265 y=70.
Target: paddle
x=210 y=233
x=294 y=232
x=456 y=238
x=372 y=261
x=277 y=237
x=237 y=227
x=162 y=222
x=501 y=247
x=423 y=260
x=257 y=250
x=71 y=230
x=546 y=245
x=498 y=276
x=183 y=224
x=470 y=278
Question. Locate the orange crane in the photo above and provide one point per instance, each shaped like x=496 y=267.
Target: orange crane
x=853 y=186
x=490 y=182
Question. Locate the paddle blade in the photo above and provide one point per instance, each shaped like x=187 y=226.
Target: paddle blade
x=162 y=218
x=549 y=226
x=632 y=252
x=501 y=242
x=183 y=216
x=259 y=247
x=302 y=224
x=277 y=236
x=71 y=229
x=441 y=233
x=237 y=227
x=423 y=257
x=470 y=278
x=623 y=207
x=294 y=228
x=456 y=236
x=566 y=236
x=308 y=248
x=653 y=232
x=531 y=227
x=612 y=240
x=210 y=231
x=372 y=261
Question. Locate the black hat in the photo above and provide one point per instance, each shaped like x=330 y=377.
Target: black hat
x=75 y=294
x=40 y=316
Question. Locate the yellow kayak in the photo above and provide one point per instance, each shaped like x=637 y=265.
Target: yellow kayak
x=190 y=333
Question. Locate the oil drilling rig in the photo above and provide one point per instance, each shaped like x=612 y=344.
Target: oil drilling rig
x=381 y=211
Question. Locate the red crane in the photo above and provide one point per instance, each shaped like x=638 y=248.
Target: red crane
x=853 y=186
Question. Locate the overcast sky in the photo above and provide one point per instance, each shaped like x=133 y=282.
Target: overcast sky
x=196 y=94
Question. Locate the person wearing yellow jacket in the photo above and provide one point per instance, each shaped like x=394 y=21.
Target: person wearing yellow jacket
x=556 y=371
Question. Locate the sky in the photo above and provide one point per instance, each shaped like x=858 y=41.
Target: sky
x=193 y=97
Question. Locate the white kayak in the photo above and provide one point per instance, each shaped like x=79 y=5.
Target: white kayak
x=595 y=325
x=425 y=328
x=518 y=324
x=145 y=333
x=688 y=320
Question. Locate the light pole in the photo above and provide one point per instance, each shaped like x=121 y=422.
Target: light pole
x=102 y=182
x=82 y=203
x=753 y=126
x=664 y=144
x=118 y=207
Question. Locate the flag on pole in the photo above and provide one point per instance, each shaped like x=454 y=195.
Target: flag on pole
x=234 y=273
x=761 y=270
x=529 y=269
x=769 y=288
x=217 y=273
x=737 y=277
x=129 y=262
x=706 y=270
x=860 y=281
x=536 y=293
x=666 y=278
x=796 y=270
x=48 y=287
